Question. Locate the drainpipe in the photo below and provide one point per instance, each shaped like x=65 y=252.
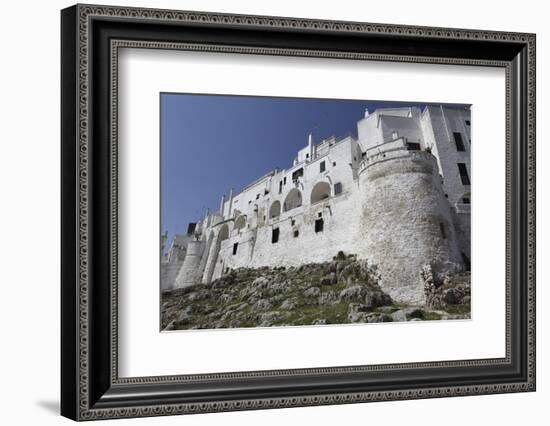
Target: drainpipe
x=446 y=123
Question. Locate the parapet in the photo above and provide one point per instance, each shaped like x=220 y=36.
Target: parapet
x=397 y=149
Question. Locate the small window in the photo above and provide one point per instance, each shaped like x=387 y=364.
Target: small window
x=257 y=196
x=319 y=225
x=296 y=233
x=296 y=174
x=280 y=186
x=466 y=200
x=334 y=164
x=274 y=235
x=235 y=246
x=337 y=188
x=463 y=174
x=307 y=155
x=320 y=214
x=284 y=180
x=322 y=167
x=442 y=230
x=466 y=261
x=413 y=146
x=292 y=222
x=458 y=141
x=467 y=122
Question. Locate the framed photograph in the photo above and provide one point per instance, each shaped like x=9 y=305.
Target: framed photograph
x=263 y=212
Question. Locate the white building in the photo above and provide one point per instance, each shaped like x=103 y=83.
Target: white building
x=398 y=195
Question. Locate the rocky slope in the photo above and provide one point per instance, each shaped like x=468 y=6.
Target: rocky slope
x=344 y=290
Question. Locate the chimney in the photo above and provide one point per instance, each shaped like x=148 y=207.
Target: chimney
x=222 y=202
x=230 y=202
x=310 y=146
x=366 y=112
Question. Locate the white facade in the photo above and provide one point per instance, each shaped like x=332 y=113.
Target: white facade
x=395 y=196
x=172 y=260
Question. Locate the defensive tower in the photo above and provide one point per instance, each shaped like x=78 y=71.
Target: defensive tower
x=406 y=218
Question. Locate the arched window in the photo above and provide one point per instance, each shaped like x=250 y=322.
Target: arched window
x=240 y=223
x=320 y=191
x=292 y=200
x=275 y=209
x=224 y=233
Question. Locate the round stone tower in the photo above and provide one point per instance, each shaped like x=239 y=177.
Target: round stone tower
x=406 y=220
x=189 y=273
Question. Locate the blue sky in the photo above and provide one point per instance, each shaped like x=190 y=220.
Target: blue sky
x=211 y=143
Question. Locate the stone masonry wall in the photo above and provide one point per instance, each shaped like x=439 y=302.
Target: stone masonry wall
x=406 y=222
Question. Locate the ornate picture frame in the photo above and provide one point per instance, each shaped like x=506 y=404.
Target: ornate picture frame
x=91 y=37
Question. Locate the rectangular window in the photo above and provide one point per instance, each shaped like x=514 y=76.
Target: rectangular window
x=274 y=235
x=296 y=233
x=467 y=122
x=235 y=246
x=297 y=174
x=319 y=225
x=337 y=188
x=191 y=228
x=458 y=141
x=334 y=164
x=292 y=222
x=322 y=167
x=413 y=146
x=463 y=174
x=466 y=261
x=284 y=180
x=466 y=200
x=280 y=186
x=442 y=229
